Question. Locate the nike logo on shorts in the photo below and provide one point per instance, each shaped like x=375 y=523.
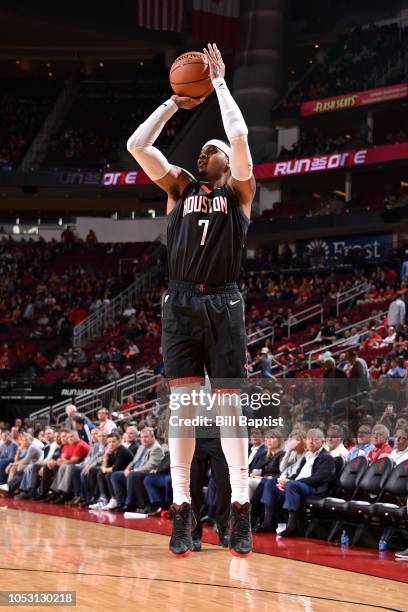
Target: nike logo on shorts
x=232 y=302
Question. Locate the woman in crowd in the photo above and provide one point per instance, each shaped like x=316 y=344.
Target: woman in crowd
x=288 y=466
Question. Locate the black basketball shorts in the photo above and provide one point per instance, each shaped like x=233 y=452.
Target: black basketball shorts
x=203 y=328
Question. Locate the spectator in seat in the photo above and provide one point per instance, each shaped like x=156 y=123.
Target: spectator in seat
x=70 y=410
x=84 y=480
x=48 y=469
x=316 y=472
x=83 y=428
x=158 y=486
x=373 y=341
x=400 y=452
x=364 y=444
x=359 y=377
x=257 y=450
x=8 y=450
x=269 y=466
x=288 y=467
x=342 y=363
x=128 y=484
x=112 y=373
x=380 y=436
x=130 y=439
x=114 y=405
x=131 y=352
x=31 y=452
x=294 y=453
x=327 y=333
x=397 y=369
x=129 y=311
x=401 y=423
x=334 y=385
x=32 y=473
x=115 y=459
x=128 y=403
x=105 y=424
x=389 y=338
x=334 y=442
x=59 y=362
x=74 y=452
x=396 y=312
x=265 y=363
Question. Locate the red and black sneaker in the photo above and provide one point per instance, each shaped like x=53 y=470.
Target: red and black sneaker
x=181 y=541
x=240 y=543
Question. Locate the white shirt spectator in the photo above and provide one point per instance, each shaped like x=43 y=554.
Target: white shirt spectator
x=107 y=426
x=306 y=470
x=340 y=451
x=37 y=444
x=389 y=339
x=53 y=447
x=254 y=450
x=129 y=312
x=133 y=349
x=290 y=463
x=396 y=312
x=352 y=340
x=398 y=456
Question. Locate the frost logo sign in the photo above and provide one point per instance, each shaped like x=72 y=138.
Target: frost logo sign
x=318 y=247
x=373 y=246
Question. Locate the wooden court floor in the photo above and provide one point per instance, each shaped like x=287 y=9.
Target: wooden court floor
x=119 y=569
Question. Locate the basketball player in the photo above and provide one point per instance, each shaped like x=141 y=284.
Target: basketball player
x=202 y=311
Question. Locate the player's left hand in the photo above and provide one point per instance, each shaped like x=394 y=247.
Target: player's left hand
x=186 y=102
x=217 y=66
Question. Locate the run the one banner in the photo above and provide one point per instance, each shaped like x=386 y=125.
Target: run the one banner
x=352 y=100
x=303 y=165
x=332 y=161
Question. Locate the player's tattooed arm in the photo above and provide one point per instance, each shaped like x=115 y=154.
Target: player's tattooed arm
x=241 y=181
x=215 y=61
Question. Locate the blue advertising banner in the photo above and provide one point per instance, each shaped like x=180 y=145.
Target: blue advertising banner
x=371 y=246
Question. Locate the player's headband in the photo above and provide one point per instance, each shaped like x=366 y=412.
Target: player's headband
x=222 y=146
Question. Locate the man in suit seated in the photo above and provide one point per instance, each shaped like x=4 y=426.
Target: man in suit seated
x=257 y=450
x=128 y=486
x=158 y=486
x=316 y=472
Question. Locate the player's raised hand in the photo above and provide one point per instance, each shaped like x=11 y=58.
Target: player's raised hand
x=217 y=66
x=187 y=103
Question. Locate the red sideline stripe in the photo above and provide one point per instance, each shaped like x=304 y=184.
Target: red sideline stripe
x=226 y=390
x=177 y=382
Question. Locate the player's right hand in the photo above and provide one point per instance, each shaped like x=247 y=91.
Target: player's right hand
x=187 y=103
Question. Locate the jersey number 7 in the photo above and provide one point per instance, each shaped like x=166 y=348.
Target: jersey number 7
x=204 y=222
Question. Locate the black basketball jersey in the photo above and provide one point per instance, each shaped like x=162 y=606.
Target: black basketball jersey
x=205 y=236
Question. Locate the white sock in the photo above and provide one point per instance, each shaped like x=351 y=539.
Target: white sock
x=182 y=444
x=235 y=448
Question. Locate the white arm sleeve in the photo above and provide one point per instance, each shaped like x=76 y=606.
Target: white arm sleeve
x=236 y=131
x=140 y=144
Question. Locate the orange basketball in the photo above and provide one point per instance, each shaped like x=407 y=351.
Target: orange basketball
x=190 y=75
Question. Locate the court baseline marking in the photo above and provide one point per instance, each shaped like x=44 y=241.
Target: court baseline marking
x=190 y=582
